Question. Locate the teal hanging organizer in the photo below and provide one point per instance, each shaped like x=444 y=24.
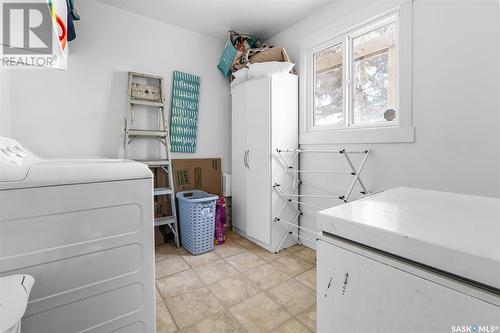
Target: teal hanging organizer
x=184 y=112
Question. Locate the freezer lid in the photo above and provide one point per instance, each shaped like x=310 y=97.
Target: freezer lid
x=20 y=168
x=455 y=233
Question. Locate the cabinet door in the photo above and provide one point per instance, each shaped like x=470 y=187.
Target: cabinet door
x=258 y=160
x=284 y=129
x=238 y=152
x=360 y=294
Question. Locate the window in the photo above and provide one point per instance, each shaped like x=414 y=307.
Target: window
x=360 y=80
x=328 y=86
x=374 y=76
x=365 y=92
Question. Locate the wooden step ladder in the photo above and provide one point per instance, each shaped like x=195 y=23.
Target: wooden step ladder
x=152 y=96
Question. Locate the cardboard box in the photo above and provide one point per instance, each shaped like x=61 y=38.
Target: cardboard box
x=159 y=239
x=198 y=174
x=189 y=174
x=162 y=202
x=162 y=205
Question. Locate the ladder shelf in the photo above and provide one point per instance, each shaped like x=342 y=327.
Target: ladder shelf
x=146 y=102
x=156 y=100
x=162 y=191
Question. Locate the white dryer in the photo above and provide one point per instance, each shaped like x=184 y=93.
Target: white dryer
x=84 y=230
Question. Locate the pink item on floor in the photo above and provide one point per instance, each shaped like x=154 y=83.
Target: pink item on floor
x=220 y=221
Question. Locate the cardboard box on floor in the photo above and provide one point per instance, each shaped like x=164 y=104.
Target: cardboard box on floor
x=161 y=203
x=189 y=174
x=198 y=174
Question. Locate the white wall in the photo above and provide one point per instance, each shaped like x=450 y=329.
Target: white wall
x=4 y=97
x=456 y=109
x=4 y=102
x=81 y=112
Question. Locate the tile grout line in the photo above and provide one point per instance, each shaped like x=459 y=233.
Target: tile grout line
x=159 y=291
x=166 y=305
x=261 y=291
x=191 y=267
x=226 y=309
x=303 y=312
x=266 y=291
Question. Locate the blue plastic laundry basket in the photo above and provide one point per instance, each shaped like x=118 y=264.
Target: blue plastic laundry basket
x=197 y=220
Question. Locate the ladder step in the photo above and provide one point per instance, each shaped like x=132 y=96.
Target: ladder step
x=147 y=133
x=162 y=191
x=164 y=220
x=155 y=163
x=146 y=102
x=149 y=76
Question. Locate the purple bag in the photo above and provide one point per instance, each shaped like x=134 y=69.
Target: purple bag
x=220 y=221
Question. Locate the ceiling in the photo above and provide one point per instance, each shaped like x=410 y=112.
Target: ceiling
x=262 y=18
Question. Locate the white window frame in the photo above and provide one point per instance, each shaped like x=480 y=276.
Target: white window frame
x=344 y=31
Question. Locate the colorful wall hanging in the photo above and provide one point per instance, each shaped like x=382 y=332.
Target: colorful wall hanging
x=59 y=13
x=184 y=112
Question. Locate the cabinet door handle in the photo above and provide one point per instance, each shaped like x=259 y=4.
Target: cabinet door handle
x=248 y=164
x=245 y=158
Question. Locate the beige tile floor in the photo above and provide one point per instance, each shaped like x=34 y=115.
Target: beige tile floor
x=238 y=287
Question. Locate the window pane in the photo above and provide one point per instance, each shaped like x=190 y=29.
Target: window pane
x=328 y=99
x=375 y=76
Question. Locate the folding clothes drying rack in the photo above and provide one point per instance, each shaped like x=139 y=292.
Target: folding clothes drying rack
x=288 y=157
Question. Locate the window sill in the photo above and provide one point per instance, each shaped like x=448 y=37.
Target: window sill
x=360 y=135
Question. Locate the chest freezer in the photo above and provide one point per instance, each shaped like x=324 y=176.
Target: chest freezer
x=410 y=260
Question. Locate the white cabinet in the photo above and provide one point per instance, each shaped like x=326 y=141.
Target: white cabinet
x=238 y=161
x=264 y=117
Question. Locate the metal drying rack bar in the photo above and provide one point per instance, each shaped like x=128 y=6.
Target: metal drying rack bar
x=292 y=197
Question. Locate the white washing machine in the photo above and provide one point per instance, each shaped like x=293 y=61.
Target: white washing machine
x=84 y=230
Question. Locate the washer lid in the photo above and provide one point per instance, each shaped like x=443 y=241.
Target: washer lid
x=455 y=233
x=68 y=172
x=14 y=294
x=21 y=168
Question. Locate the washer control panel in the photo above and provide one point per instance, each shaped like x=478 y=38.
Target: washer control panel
x=13 y=152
